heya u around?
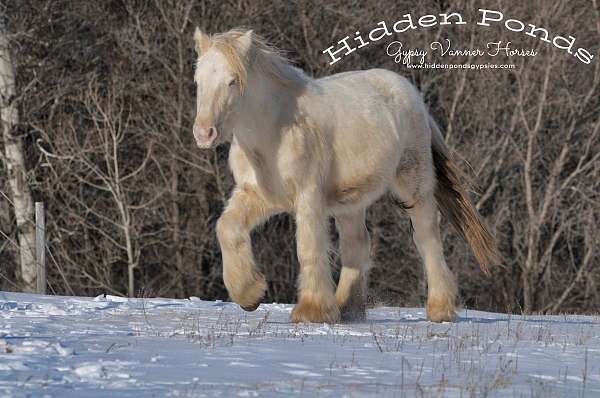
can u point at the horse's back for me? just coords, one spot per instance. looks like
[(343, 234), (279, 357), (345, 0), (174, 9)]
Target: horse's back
[(382, 98), (372, 117), (372, 81), (377, 105)]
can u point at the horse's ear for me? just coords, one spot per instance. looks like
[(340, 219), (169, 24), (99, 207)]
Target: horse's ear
[(244, 42), (200, 40)]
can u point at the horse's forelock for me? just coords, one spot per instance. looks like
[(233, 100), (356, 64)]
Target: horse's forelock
[(260, 56)]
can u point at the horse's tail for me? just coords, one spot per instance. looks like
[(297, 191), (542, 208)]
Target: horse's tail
[(454, 204)]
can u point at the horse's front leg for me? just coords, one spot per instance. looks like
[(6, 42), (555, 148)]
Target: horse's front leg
[(316, 297), (245, 284)]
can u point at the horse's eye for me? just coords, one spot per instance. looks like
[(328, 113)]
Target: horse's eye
[(232, 82)]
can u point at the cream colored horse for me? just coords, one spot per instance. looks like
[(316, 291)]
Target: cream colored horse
[(319, 148)]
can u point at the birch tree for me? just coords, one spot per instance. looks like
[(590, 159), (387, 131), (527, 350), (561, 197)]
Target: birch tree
[(15, 166)]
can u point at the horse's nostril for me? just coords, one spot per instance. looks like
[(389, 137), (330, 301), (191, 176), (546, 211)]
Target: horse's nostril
[(212, 132)]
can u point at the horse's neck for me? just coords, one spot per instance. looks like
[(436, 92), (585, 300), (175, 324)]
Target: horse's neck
[(260, 128), (258, 123)]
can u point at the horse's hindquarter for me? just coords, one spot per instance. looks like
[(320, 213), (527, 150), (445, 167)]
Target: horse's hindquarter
[(373, 116)]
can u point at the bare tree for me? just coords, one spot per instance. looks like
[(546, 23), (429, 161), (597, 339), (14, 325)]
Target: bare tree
[(101, 156), (15, 165)]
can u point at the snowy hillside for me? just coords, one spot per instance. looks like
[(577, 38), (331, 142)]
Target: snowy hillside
[(110, 346)]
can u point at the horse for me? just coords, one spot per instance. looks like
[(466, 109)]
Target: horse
[(321, 148)]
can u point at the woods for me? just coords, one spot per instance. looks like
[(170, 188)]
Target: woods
[(99, 127)]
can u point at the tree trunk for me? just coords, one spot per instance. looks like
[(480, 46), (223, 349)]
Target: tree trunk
[(15, 166)]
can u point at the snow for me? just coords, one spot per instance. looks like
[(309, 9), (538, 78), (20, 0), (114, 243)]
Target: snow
[(118, 347)]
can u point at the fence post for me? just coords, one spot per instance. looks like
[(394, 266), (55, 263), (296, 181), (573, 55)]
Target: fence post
[(40, 247)]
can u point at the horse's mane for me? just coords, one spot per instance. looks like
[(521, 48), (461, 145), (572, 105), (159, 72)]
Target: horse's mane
[(261, 57)]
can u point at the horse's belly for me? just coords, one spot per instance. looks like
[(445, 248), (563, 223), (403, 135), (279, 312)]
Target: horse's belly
[(356, 192), (364, 164)]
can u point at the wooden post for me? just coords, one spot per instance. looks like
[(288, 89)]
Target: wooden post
[(40, 247)]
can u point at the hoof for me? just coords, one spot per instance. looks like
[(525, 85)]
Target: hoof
[(441, 310), (354, 315), (248, 293), (354, 309), (250, 308), (318, 311), (351, 297)]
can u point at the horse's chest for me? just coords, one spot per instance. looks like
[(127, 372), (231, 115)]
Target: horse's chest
[(273, 175)]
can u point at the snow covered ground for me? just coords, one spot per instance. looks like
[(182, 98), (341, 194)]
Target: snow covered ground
[(111, 346)]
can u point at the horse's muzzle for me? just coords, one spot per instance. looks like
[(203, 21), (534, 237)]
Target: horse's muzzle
[(205, 136)]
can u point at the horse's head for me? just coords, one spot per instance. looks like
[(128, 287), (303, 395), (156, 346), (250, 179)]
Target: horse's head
[(220, 76)]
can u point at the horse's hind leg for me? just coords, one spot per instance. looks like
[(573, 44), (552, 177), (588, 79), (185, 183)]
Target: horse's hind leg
[(351, 294), (421, 206)]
